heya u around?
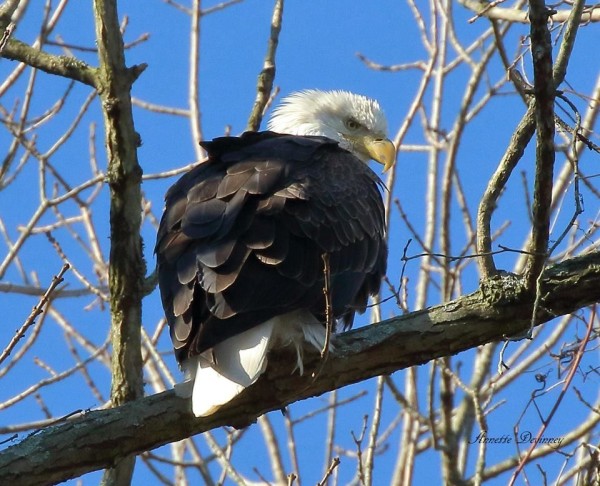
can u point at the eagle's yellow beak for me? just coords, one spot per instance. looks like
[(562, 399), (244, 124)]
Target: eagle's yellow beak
[(381, 150)]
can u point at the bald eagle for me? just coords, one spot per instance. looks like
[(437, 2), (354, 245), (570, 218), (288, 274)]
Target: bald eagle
[(241, 242)]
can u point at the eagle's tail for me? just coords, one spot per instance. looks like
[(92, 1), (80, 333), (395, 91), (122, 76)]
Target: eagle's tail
[(223, 372)]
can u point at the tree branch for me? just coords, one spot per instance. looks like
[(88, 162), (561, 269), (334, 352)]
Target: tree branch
[(501, 307), (264, 84), (68, 67), (568, 42), (489, 10), (35, 312), (65, 66), (544, 92), (127, 266), (518, 143)]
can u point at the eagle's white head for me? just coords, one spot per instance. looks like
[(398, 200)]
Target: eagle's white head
[(356, 122)]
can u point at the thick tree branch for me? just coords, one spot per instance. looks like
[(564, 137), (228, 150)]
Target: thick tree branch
[(501, 307), (65, 66), (68, 67), (548, 78), (518, 143), (544, 92), (127, 266)]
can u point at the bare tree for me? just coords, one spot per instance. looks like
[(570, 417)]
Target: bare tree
[(529, 236)]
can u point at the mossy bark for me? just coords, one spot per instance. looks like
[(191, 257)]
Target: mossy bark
[(124, 174), (501, 307)]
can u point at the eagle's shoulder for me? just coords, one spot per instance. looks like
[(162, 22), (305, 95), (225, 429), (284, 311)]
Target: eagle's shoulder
[(289, 147)]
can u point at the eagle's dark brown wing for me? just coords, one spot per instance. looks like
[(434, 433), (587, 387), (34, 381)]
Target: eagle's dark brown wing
[(243, 234)]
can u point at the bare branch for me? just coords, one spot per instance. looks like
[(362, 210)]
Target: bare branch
[(544, 92), (64, 66), (127, 266), (36, 311), (194, 81), (448, 116), (568, 43), (518, 142), (264, 86), (573, 369), (492, 11), (143, 424)]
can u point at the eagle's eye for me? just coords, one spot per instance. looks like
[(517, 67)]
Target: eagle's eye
[(352, 124)]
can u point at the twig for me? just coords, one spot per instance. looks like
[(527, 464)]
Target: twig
[(6, 35), (566, 385), (330, 406), (219, 6), (35, 312), (335, 462), (273, 449), (369, 465), (358, 442), (448, 436), (267, 75), (459, 126), (194, 82), (559, 69), (484, 10), (577, 193), (292, 443), (64, 418), (80, 276), (55, 378), (9, 288), (9, 439), (329, 318)]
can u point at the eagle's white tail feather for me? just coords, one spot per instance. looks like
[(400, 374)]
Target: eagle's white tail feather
[(222, 373), (238, 362)]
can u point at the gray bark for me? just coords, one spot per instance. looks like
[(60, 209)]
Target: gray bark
[(501, 307)]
